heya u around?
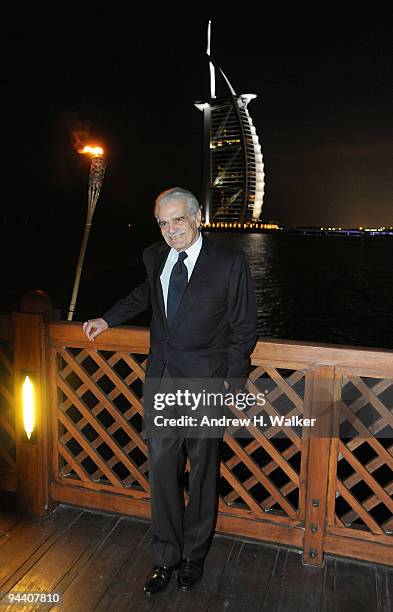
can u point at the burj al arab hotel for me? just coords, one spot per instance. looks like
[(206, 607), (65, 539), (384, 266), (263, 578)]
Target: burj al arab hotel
[(233, 175)]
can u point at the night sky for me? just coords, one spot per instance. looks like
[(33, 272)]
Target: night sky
[(323, 112)]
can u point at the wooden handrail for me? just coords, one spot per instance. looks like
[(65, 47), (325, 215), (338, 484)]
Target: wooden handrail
[(269, 350)]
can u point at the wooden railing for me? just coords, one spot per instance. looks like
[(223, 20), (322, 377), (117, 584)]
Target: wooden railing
[(322, 489)]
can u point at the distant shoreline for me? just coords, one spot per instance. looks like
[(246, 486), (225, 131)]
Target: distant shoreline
[(303, 231)]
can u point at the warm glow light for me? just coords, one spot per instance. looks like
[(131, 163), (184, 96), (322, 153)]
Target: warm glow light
[(28, 407), (93, 150)]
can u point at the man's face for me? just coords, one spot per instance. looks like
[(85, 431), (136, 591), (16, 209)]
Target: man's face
[(178, 227)]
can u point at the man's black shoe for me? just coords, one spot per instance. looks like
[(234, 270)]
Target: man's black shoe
[(190, 572), (158, 579)]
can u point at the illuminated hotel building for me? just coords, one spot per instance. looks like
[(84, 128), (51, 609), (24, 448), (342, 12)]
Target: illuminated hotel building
[(233, 176)]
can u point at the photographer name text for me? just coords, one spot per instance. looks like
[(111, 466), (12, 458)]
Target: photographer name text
[(255, 421)]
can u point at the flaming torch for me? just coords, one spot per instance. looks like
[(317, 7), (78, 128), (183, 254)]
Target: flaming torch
[(97, 171)]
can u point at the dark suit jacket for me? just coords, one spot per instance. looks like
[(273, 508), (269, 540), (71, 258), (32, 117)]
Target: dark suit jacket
[(214, 329)]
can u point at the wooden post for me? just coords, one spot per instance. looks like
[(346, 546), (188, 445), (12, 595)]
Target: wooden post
[(30, 358), (319, 406)]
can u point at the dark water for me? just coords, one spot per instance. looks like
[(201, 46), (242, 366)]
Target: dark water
[(323, 289), (326, 289)]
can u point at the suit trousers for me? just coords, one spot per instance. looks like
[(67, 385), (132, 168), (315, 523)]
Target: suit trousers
[(181, 531)]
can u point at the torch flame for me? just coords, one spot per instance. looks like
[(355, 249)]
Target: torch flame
[(93, 150)]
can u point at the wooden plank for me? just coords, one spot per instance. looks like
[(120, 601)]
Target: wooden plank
[(28, 539), (101, 568), (123, 504), (270, 529), (30, 349), (53, 406), (63, 555), (363, 550), (271, 597), (389, 589), (363, 535), (301, 587), (137, 493), (382, 594), (361, 598), (292, 379), (367, 372), (274, 516), (269, 350), (127, 338), (319, 402), (263, 530), (328, 589), (333, 457), (126, 590), (244, 579)]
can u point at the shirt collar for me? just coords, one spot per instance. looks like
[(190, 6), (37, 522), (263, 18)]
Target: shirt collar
[(192, 251)]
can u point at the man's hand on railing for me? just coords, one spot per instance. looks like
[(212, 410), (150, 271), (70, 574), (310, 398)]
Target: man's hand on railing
[(94, 327)]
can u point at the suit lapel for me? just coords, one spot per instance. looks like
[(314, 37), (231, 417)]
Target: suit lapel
[(162, 257)]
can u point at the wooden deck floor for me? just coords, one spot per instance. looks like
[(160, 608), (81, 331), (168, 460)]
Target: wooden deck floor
[(99, 562)]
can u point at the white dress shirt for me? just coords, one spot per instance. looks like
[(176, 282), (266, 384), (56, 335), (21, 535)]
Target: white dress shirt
[(173, 255)]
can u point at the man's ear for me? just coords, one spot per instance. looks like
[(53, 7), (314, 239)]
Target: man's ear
[(199, 218)]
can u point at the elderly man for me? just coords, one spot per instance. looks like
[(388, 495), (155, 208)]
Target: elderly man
[(203, 326)]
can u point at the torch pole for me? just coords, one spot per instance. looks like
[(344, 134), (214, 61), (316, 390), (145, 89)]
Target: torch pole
[(97, 171), (78, 271)]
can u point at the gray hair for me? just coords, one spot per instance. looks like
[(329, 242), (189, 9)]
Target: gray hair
[(177, 193)]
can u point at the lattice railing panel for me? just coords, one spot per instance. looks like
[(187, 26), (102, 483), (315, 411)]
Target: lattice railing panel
[(7, 409), (100, 412), (100, 429), (364, 485), (261, 465)]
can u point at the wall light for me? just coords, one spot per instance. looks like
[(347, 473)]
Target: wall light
[(28, 406)]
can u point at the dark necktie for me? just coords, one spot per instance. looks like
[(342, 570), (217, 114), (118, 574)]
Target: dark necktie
[(177, 284)]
